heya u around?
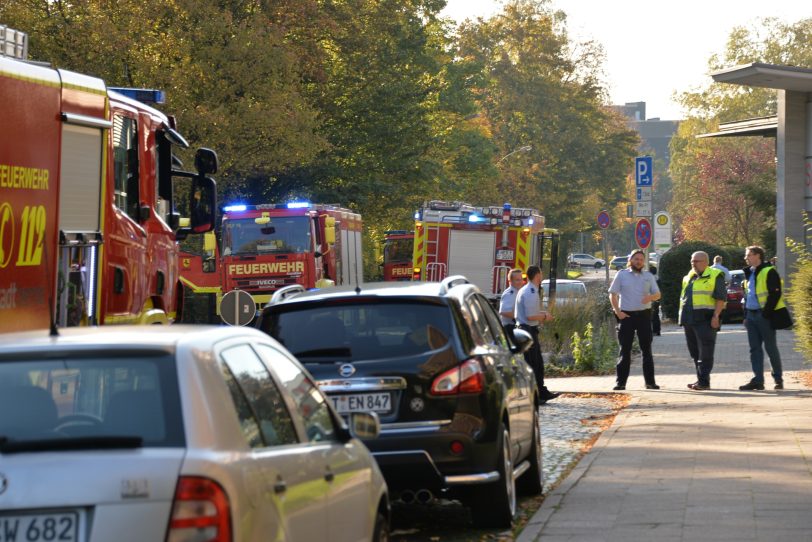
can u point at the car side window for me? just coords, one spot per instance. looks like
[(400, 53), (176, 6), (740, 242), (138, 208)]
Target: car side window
[(480, 323), (311, 403), (494, 324), (264, 418)]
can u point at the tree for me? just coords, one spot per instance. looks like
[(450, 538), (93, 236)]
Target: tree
[(724, 191)]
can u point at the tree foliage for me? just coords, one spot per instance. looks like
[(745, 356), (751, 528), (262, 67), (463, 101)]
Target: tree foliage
[(724, 189), (373, 104)]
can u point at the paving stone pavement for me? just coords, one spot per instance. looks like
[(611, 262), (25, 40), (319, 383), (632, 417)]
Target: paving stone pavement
[(563, 431), (684, 465)]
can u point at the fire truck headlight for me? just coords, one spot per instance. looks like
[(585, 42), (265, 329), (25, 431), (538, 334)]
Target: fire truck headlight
[(517, 222), (531, 222), (494, 221)]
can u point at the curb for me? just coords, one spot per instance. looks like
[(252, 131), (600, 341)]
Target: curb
[(532, 530)]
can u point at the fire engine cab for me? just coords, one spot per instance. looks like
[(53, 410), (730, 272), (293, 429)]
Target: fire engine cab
[(88, 222), (481, 243), (398, 247), (263, 248)]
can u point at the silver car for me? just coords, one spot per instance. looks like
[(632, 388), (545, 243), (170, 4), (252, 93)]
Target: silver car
[(177, 434)]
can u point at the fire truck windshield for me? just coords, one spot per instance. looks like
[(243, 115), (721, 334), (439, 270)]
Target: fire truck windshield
[(397, 250), (279, 235)]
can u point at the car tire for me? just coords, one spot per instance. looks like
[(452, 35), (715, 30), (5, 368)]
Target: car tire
[(532, 481), (381, 532), (494, 505)]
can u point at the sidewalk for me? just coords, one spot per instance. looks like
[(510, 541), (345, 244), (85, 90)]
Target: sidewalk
[(684, 465)]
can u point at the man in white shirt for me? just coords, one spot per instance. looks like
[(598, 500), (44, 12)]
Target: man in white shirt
[(717, 264)]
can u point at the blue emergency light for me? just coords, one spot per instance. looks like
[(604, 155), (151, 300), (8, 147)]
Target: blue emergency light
[(144, 95), (235, 208), (298, 205)]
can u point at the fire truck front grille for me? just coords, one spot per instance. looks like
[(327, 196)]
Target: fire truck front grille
[(251, 285)]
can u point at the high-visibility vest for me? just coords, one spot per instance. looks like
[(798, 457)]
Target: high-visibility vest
[(702, 291), (761, 289)]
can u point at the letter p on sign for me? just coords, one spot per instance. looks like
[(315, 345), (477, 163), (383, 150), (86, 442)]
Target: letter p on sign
[(643, 171)]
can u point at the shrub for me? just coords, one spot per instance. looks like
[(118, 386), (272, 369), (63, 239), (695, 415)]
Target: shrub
[(674, 265), (593, 354), (799, 295)]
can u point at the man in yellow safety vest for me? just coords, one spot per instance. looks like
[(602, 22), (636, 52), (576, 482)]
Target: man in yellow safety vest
[(700, 307), (764, 312)]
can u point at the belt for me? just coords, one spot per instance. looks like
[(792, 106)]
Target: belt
[(641, 311), (753, 310)]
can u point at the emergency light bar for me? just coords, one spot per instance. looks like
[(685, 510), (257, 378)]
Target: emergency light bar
[(235, 208), (143, 95), (298, 205), (13, 43)]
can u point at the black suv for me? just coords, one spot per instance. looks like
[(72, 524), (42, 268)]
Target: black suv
[(457, 402)]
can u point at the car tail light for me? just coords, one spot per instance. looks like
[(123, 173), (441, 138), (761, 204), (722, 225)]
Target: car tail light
[(200, 512), (465, 378)]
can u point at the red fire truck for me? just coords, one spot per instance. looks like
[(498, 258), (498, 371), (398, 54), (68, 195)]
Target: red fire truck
[(481, 243), (398, 247), (88, 224), (263, 248)]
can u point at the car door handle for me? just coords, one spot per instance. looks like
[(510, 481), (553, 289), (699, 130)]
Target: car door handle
[(329, 476), (280, 486)]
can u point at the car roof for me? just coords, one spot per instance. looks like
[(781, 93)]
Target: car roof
[(382, 289), (135, 338)]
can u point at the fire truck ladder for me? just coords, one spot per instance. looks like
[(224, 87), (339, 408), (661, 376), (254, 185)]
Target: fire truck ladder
[(435, 271)]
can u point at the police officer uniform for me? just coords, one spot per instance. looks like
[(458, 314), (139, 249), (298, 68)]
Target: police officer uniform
[(528, 303), (507, 303)]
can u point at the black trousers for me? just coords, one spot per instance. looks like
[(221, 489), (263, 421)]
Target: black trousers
[(637, 322), (701, 339), (655, 317), (533, 355)]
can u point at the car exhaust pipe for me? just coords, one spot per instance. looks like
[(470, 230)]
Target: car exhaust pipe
[(407, 496), (424, 496)]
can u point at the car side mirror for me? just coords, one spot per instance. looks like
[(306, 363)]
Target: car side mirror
[(365, 425), (522, 340)]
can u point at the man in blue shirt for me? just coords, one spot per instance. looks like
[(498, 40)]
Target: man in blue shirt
[(528, 317), (631, 294)]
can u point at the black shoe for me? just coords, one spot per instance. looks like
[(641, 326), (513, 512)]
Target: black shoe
[(619, 388), (779, 385), (751, 386), (657, 334), (547, 395), (698, 387), (652, 387)]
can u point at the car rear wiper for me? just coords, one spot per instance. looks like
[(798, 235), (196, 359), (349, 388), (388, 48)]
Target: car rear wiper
[(342, 351), (9, 446)]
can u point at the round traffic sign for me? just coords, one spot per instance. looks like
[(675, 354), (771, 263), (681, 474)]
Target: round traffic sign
[(642, 233), (603, 220), (237, 308)]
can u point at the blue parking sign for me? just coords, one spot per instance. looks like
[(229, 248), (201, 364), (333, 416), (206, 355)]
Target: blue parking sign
[(643, 171)]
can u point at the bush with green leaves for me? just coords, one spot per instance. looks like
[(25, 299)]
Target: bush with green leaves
[(570, 343), (674, 265), (799, 295)]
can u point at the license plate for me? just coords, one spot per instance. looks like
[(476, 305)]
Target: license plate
[(362, 402), (504, 254), (55, 527)]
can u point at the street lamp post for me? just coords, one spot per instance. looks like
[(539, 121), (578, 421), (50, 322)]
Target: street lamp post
[(520, 149)]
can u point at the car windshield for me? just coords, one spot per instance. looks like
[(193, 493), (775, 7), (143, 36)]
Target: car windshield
[(397, 250), (570, 290), (91, 402), (736, 279), (280, 235), (360, 330)]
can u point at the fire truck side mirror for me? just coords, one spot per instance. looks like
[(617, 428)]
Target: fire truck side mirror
[(205, 161), (202, 203)]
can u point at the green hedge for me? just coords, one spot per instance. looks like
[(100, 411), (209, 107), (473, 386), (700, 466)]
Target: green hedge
[(675, 264), (800, 299)]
